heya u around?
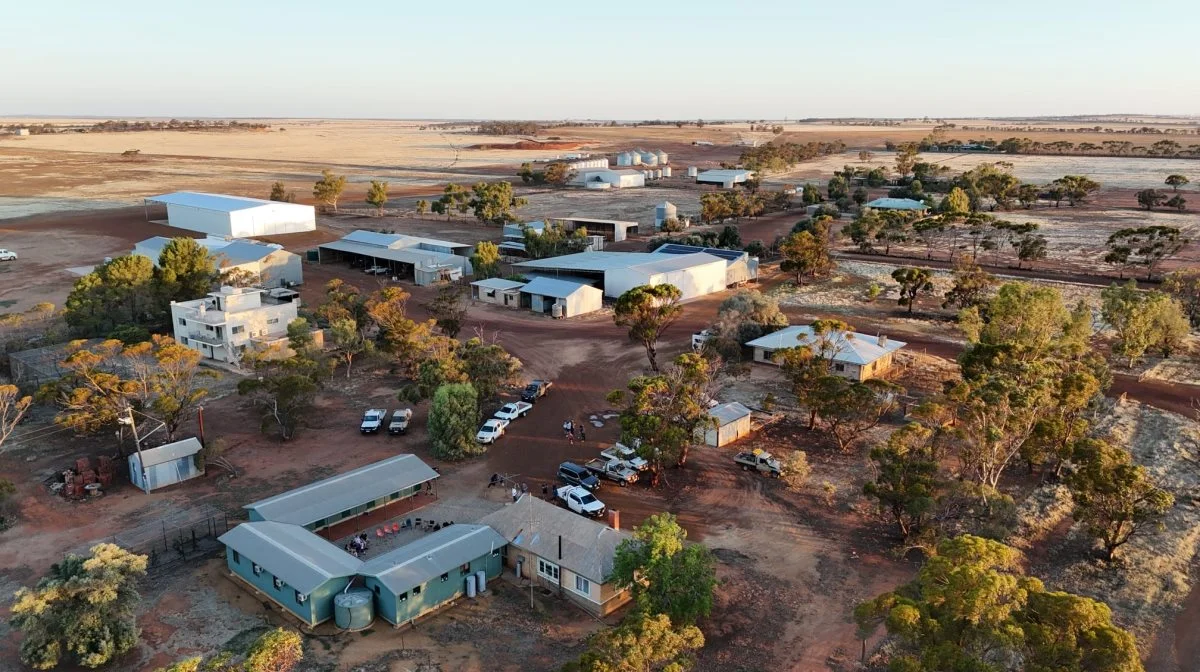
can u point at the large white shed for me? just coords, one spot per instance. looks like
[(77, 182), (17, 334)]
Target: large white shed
[(234, 216), (694, 274), (541, 295)]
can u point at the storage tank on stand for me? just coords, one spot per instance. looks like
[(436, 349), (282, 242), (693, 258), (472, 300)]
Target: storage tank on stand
[(354, 610), (666, 171), (658, 174), (693, 171)]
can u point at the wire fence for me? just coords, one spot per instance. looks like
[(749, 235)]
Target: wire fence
[(172, 539)]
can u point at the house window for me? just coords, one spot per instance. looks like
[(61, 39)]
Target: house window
[(279, 584), (417, 590), (582, 585), (548, 570), (237, 558), (402, 597), (301, 598), (182, 322), (273, 320), (839, 367), (347, 513), (208, 327), (394, 495), (257, 569), (465, 569), (446, 576), (183, 340), (238, 329), (491, 293)]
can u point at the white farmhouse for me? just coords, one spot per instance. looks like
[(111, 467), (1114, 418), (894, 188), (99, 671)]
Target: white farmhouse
[(272, 265), (234, 216), (223, 324), (852, 355)]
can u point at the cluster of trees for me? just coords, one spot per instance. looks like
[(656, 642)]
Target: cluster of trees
[(778, 157), (508, 128), (734, 204), (327, 190), (1145, 246), (557, 173), (672, 584), (103, 384), (875, 232), (805, 250), (129, 296), (491, 203), (1030, 388), (973, 607), (123, 126), (277, 650), (1143, 321), (554, 240), (1163, 148)]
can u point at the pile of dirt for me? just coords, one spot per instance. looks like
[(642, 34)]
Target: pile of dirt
[(527, 144)]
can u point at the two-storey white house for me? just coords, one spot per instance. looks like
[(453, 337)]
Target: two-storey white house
[(223, 324)]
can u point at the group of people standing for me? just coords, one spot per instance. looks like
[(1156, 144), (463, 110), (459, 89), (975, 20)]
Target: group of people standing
[(570, 428)]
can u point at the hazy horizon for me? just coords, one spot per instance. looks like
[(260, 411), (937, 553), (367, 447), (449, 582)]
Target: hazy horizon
[(625, 61)]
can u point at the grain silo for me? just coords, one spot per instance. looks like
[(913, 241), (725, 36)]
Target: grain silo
[(666, 171), (693, 171), (664, 211), (624, 159), (662, 157)]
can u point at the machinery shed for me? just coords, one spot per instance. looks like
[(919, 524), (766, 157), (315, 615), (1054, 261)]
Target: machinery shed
[(235, 216)]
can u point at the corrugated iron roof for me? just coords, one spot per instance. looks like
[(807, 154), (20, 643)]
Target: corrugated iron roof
[(666, 263), (729, 412), (897, 204), (588, 547), (431, 556), (169, 452), (293, 554), (217, 202), (499, 284), (851, 347), (327, 497), (552, 287)]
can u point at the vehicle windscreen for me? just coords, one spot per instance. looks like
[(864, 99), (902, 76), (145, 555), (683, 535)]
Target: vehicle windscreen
[(587, 499)]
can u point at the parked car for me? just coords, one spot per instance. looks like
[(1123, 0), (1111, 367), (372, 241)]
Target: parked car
[(514, 410), (580, 501), (574, 474), (400, 420), (758, 460), (535, 390), (8, 255), (613, 470), (624, 453), (699, 338), (491, 430), (376, 270), (372, 420)]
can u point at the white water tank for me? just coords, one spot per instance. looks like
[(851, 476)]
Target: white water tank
[(693, 171), (658, 174), (666, 171), (471, 585), (481, 581), (556, 311)]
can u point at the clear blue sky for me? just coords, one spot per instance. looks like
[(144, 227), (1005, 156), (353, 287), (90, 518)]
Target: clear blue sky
[(604, 59)]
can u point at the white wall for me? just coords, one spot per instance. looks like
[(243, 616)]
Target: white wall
[(204, 221), (273, 219), (586, 300), (280, 266)]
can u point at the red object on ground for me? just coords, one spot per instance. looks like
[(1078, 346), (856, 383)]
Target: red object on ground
[(379, 533), (395, 527)]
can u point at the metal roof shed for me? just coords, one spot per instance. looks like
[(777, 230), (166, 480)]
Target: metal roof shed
[(238, 216), (154, 468), (897, 204), (732, 423), (325, 502), (694, 274), (575, 298)]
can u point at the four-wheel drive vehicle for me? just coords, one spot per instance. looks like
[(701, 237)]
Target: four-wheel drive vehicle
[(535, 390), (8, 255), (580, 500), (400, 419), (613, 470), (491, 430), (376, 270), (514, 410), (759, 460), (574, 474), (624, 453), (372, 420), (699, 339)]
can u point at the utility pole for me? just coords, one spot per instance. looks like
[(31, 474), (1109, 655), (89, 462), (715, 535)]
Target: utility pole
[(137, 444)]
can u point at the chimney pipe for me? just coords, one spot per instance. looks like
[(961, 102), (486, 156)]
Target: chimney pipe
[(614, 519)]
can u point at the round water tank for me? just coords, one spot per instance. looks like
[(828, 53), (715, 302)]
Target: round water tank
[(471, 585), (692, 171), (658, 174), (354, 610), (556, 311), (667, 171), (481, 580)]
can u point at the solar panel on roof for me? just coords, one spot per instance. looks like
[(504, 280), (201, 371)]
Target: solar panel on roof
[(677, 248)]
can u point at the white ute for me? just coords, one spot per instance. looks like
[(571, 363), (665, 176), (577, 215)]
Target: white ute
[(491, 430), (372, 420), (579, 500), (624, 453), (8, 255), (514, 410)]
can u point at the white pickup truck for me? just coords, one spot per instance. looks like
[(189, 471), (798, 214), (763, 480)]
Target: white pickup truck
[(613, 470), (514, 410), (491, 430), (372, 420), (579, 500), (400, 420), (624, 453)]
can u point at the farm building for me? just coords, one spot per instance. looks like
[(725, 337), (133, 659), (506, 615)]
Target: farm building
[(664, 211), (724, 177), (269, 262), (562, 551), (154, 468), (853, 355), (561, 298), (732, 423), (394, 484), (425, 260), (897, 204), (433, 571), (226, 322), (607, 178), (234, 216), (613, 230), (617, 272), (497, 291), (289, 565), (740, 267)]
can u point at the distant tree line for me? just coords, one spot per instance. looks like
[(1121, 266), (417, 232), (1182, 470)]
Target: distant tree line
[(508, 128), (125, 126), (1018, 145), (778, 157)]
